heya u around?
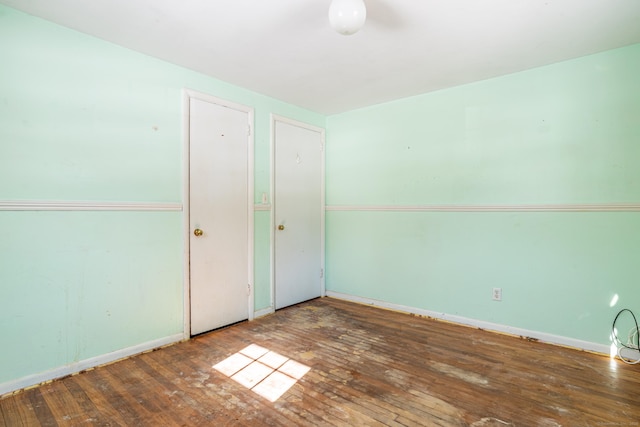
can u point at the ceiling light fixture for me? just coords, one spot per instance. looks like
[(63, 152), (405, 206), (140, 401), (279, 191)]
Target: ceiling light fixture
[(347, 16)]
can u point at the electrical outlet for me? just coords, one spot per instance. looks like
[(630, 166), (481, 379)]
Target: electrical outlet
[(497, 294)]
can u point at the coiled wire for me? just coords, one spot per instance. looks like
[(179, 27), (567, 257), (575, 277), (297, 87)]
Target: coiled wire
[(632, 339)]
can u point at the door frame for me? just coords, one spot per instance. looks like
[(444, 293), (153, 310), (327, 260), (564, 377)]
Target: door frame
[(278, 118), (187, 95)]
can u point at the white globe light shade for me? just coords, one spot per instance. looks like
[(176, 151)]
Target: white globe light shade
[(347, 16)]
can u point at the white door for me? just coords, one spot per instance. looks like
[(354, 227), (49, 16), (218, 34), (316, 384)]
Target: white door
[(219, 217), (298, 212)]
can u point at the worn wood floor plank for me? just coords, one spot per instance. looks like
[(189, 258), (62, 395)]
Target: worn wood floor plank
[(64, 408), (188, 382), (368, 366), (188, 409), (17, 411), (88, 412)]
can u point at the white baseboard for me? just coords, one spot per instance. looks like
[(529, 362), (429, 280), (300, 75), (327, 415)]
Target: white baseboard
[(263, 312), (541, 336), (63, 371)]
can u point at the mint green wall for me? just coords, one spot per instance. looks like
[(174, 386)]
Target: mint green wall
[(85, 120), (81, 284), (568, 133)]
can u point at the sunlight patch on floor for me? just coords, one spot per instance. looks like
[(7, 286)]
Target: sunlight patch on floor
[(265, 372)]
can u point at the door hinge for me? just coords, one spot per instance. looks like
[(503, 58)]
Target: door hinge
[(322, 146), (248, 288), (248, 130), (321, 273)]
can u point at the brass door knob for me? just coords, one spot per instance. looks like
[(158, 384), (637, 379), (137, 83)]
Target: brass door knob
[(281, 227), (198, 232)]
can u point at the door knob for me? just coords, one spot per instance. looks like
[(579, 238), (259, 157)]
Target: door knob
[(198, 232), (281, 227)]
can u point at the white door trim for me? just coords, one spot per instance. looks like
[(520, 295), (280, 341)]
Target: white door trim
[(187, 95), (277, 118)]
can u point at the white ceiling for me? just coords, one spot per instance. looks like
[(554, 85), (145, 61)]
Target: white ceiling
[(286, 49)]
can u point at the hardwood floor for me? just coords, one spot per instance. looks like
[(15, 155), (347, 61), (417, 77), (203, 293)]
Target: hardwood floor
[(368, 366)]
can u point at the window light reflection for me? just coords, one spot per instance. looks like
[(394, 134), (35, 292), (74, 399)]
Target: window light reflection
[(614, 300), (613, 351), (265, 372)]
